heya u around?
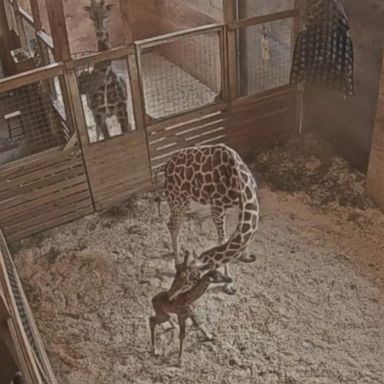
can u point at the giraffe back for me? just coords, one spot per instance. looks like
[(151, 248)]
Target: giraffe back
[(205, 174)]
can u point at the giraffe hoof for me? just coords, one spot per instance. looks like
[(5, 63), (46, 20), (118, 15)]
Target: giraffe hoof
[(248, 259), (229, 289)]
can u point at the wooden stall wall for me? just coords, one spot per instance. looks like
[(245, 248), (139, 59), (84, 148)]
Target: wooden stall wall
[(348, 123), (263, 108), (119, 165), (261, 121), (42, 191), (17, 325), (375, 177)]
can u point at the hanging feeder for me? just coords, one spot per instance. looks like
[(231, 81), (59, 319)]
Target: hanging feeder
[(323, 54)]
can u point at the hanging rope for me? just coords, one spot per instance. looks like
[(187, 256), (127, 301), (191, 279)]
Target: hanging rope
[(323, 54)]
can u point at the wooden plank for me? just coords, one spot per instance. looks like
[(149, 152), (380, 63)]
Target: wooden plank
[(35, 207), (44, 166), (182, 137), (154, 131), (46, 216), (45, 39), (26, 16), (117, 53), (22, 233), (56, 17), (42, 183), (176, 36), (256, 20), (188, 116), (12, 82), (123, 192), (42, 194), (188, 142)]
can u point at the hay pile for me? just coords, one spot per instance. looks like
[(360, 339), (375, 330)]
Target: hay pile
[(309, 164)]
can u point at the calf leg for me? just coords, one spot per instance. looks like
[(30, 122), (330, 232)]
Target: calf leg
[(195, 322), (182, 321), (153, 321)]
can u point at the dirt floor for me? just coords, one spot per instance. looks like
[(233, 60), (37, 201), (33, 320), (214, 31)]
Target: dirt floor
[(309, 310)]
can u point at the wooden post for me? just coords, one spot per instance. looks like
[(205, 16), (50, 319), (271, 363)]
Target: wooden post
[(297, 27), (36, 15), (58, 27), (375, 176), (232, 63)]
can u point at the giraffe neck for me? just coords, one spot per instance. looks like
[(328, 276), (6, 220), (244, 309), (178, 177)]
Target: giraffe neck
[(247, 225), (195, 292), (103, 43)]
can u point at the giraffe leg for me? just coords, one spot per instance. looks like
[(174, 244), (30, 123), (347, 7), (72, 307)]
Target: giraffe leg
[(196, 323), (177, 210), (102, 124), (122, 116), (97, 123), (218, 216), (247, 257), (153, 321)]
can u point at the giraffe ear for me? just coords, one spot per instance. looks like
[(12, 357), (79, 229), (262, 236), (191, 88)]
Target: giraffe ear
[(109, 7)]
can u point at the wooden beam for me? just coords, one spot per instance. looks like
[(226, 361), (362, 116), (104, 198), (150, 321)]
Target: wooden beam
[(256, 20), (175, 36), (58, 27), (231, 51), (36, 14), (31, 76)]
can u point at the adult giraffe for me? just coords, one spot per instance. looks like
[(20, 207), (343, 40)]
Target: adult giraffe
[(213, 175)]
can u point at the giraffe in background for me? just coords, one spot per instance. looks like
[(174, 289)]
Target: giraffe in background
[(213, 175), (106, 91)]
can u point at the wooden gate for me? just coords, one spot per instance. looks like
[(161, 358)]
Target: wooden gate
[(117, 166), (182, 78)]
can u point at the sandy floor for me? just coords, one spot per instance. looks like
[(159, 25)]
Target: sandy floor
[(309, 310)]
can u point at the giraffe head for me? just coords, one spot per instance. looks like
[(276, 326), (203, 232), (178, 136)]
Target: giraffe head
[(99, 13), (187, 275)]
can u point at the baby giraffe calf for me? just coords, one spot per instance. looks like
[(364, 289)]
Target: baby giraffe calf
[(182, 306)]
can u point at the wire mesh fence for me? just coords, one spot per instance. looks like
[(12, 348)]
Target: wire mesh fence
[(107, 99), (265, 55), (251, 8), (30, 122), (181, 76)]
